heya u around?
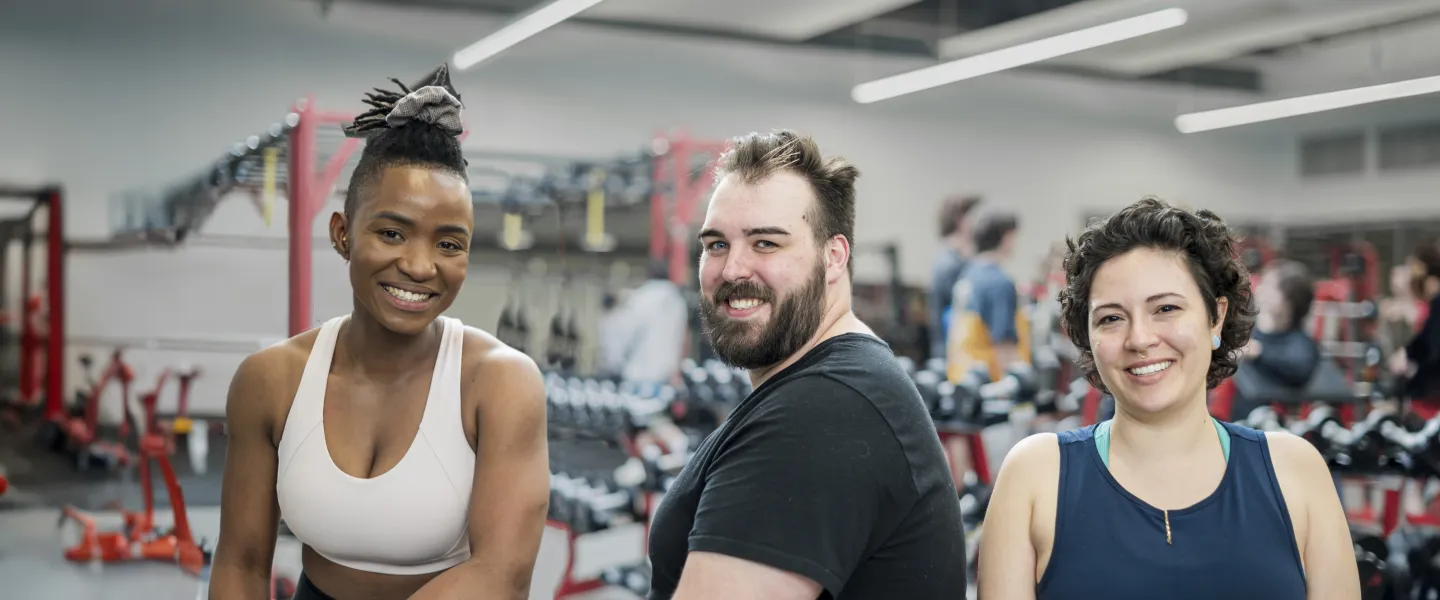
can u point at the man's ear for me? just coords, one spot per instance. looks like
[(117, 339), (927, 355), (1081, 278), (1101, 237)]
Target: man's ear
[(340, 234), (837, 257)]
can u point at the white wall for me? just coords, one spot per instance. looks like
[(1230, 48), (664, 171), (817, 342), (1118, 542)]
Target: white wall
[(120, 97)]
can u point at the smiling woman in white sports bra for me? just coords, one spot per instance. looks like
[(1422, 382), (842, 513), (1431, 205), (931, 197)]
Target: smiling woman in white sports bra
[(406, 451)]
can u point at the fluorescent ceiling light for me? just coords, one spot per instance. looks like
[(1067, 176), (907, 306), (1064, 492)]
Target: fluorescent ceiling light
[(1019, 55), (1304, 105), (518, 29)]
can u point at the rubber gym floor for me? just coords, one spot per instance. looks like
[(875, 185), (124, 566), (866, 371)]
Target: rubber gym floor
[(31, 542)]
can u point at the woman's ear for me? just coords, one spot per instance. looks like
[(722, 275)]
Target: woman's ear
[(1222, 307), (340, 235)]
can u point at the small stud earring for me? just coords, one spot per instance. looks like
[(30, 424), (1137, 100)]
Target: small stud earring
[(1215, 342)]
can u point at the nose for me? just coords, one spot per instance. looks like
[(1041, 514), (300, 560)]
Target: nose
[(1141, 337), (738, 266), (417, 263)]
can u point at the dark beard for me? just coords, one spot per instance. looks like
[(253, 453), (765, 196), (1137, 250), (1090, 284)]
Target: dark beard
[(793, 321)]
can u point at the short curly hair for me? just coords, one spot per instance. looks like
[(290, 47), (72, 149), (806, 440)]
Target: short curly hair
[(1209, 248)]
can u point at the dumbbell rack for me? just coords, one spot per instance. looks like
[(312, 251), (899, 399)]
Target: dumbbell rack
[(1392, 510), (970, 436), (569, 585)]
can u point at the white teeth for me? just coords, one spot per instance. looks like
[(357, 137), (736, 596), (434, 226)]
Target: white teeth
[(406, 295), (744, 303), (1149, 369)]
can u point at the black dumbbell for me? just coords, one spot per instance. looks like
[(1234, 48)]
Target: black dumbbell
[(969, 405), (1018, 385), (562, 497), (660, 467), (725, 388), (1368, 447), (1369, 541), (907, 365), (634, 579), (1074, 398), (556, 406), (600, 506), (1263, 418), (944, 409), (974, 500), (1372, 575), (1324, 431), (927, 383)]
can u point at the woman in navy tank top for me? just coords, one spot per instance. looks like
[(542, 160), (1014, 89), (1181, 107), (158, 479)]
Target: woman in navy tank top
[(1163, 501)]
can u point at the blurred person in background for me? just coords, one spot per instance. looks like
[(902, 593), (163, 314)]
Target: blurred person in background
[(987, 325), (955, 252), (1420, 359), (1281, 356), (642, 339), (1400, 314)]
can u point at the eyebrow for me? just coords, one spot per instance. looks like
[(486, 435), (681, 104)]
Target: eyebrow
[(1116, 305), (713, 233), (409, 222)]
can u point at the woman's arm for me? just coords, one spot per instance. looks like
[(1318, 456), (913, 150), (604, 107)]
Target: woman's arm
[(1331, 572), (249, 512), (1007, 550), (511, 493)]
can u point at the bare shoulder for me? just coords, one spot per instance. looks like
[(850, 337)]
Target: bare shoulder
[(1300, 471), (1033, 457), (264, 384), (1292, 456), (494, 369)]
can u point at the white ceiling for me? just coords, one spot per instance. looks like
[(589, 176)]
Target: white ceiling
[(792, 20), (1218, 30), (600, 55)]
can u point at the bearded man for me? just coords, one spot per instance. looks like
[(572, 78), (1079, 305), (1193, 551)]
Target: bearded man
[(829, 480)]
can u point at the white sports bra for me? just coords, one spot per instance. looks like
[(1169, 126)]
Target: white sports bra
[(408, 520)]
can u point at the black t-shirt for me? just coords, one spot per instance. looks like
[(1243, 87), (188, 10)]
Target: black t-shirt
[(832, 470)]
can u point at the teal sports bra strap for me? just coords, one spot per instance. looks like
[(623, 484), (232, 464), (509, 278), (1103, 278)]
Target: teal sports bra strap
[(1102, 440)]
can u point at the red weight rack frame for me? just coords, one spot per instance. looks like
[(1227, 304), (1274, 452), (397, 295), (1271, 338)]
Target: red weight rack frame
[(51, 198)]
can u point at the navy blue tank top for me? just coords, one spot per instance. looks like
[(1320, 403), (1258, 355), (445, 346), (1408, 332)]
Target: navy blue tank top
[(1236, 544)]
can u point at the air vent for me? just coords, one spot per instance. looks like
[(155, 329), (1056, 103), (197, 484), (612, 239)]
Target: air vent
[(1410, 147), (1332, 154)]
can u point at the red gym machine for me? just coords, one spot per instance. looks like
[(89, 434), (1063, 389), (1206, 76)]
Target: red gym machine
[(42, 341), (77, 431), (180, 423), (139, 539)]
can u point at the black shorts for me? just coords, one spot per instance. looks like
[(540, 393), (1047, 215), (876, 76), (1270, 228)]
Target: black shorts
[(304, 590)]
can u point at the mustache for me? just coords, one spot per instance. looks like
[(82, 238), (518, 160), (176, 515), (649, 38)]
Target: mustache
[(741, 289)]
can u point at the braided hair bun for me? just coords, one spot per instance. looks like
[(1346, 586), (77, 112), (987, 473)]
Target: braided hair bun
[(417, 125)]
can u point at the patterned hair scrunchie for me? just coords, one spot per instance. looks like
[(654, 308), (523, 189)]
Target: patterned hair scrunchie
[(433, 101), (430, 104)]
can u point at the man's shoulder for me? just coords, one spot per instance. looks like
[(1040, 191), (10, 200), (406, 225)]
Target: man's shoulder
[(982, 273), (817, 388)]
